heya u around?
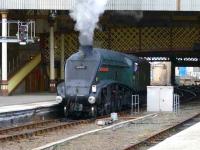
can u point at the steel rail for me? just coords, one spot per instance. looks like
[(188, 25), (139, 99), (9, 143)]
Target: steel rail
[(38, 128), (159, 136), (28, 126), (39, 131)]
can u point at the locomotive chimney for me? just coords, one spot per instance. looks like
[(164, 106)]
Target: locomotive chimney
[(86, 49)]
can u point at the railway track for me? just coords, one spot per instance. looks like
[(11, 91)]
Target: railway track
[(38, 128), (159, 137), (43, 127)]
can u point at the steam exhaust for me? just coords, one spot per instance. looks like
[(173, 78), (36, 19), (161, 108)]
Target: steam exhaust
[(86, 49), (86, 13)]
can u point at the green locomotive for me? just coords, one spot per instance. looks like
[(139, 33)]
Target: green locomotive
[(99, 81)]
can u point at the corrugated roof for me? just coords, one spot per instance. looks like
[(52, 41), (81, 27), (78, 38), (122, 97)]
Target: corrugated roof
[(168, 5), (142, 5), (68, 4), (190, 5), (37, 4)]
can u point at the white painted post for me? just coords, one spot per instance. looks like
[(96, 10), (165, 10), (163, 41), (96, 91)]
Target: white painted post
[(4, 84), (62, 61), (4, 47)]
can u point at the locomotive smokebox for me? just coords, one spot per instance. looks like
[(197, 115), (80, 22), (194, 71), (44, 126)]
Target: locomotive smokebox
[(86, 49)]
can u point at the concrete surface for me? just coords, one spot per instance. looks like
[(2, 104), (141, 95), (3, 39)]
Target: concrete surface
[(26, 102), (26, 99), (187, 139)]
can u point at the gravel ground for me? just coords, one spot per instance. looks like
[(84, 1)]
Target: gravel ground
[(108, 139)]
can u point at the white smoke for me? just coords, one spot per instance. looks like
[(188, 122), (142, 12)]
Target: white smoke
[(86, 13)]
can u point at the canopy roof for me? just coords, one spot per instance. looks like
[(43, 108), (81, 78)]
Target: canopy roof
[(159, 5)]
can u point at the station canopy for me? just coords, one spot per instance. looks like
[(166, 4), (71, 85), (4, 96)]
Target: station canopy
[(160, 5)]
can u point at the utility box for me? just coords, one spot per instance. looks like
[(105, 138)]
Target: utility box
[(160, 98)]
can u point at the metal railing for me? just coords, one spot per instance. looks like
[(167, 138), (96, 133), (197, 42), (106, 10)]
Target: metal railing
[(135, 104), (176, 103), (14, 35)]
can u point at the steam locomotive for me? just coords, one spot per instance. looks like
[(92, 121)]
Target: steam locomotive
[(99, 81)]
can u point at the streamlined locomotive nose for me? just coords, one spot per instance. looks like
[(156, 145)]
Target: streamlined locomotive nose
[(77, 94)]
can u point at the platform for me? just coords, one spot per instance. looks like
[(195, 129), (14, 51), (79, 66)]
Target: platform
[(187, 139), (26, 102)]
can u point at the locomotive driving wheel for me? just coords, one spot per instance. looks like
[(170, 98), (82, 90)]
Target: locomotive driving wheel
[(120, 98), (106, 101), (116, 98)]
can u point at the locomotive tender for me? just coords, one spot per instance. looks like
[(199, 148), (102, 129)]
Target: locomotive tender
[(99, 81)]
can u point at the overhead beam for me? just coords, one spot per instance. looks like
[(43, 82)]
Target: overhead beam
[(167, 53)]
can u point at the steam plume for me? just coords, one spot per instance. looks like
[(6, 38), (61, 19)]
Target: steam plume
[(86, 14)]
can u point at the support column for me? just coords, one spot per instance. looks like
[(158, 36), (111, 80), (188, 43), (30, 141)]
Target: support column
[(62, 61), (4, 84), (173, 71), (52, 69), (169, 72)]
